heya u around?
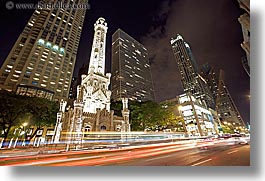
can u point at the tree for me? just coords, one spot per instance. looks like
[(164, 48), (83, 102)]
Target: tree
[(12, 109), (227, 129), (116, 106), (150, 116), (147, 116), (44, 113)]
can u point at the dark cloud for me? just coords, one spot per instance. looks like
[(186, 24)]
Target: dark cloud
[(214, 34), (210, 27)]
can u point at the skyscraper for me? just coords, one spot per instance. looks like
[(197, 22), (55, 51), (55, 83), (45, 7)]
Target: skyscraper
[(191, 80), (210, 76), (131, 72), (225, 106), (42, 60)]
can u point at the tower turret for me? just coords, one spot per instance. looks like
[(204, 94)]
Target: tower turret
[(97, 58)]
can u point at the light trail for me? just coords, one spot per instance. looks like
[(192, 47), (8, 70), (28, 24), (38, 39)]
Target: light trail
[(124, 154)]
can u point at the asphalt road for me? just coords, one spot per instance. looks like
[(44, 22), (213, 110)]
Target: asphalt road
[(214, 153), (238, 155)]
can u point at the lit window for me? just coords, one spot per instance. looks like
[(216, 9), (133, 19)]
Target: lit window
[(48, 45), (55, 48), (41, 42), (62, 50), (16, 75)]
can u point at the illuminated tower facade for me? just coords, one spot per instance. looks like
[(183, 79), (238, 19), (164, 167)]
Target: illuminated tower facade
[(93, 90), (192, 82), (42, 60), (130, 67), (225, 106)]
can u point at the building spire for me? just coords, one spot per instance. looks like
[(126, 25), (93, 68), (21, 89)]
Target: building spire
[(97, 58)]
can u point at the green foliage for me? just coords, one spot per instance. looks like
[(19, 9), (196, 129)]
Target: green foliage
[(16, 109), (43, 112), (150, 116), (227, 129), (116, 107), (12, 108)]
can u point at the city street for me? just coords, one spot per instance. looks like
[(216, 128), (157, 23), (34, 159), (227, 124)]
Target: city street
[(185, 153)]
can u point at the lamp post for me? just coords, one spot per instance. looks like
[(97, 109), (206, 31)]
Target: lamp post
[(24, 133)]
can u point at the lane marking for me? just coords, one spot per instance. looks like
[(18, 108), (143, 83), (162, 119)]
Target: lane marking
[(201, 162), (158, 158), (232, 152)]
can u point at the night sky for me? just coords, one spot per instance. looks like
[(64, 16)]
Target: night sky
[(210, 27)]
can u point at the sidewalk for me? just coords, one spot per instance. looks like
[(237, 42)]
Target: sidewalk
[(29, 150)]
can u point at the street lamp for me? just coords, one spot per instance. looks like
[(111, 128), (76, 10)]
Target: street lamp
[(24, 132)]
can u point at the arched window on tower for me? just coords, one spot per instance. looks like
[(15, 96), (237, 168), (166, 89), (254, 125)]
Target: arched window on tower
[(103, 128)]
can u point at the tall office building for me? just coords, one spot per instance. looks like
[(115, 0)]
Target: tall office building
[(210, 76), (130, 69), (191, 80), (41, 62), (225, 106), (73, 89)]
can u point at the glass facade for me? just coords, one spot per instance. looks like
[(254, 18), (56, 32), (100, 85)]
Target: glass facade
[(131, 72), (225, 106), (191, 80), (198, 119)]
